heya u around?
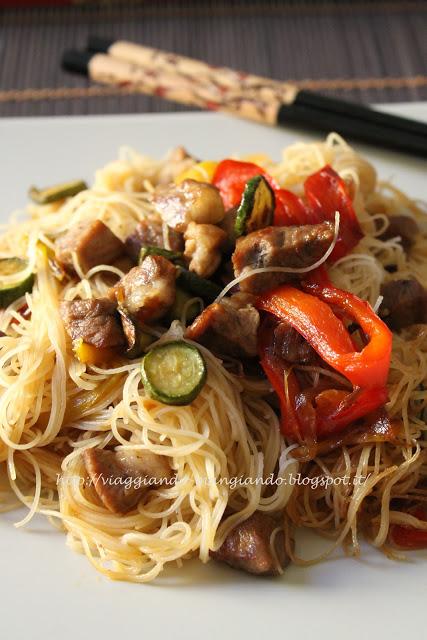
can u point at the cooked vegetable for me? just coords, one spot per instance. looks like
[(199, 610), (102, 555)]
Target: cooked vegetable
[(231, 177), (10, 291), (174, 373), (89, 354), (311, 315), (173, 256), (200, 287), (137, 339), (57, 192), (181, 304), (407, 537), (256, 209), (326, 193), (202, 172)]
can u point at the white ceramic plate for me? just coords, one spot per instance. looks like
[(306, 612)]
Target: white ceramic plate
[(49, 591)]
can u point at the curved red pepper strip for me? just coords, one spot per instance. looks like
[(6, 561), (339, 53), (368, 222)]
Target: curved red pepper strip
[(295, 423), (314, 319), (325, 194), (289, 421), (290, 210), (368, 369), (354, 406)]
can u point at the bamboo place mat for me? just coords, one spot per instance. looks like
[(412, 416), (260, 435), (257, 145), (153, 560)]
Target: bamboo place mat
[(366, 51)]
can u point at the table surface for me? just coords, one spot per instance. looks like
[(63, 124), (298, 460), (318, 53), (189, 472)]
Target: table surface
[(367, 51)]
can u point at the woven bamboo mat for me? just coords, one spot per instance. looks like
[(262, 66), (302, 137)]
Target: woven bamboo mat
[(367, 51)]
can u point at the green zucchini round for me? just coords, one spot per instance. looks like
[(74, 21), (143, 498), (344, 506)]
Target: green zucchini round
[(9, 292), (174, 373)]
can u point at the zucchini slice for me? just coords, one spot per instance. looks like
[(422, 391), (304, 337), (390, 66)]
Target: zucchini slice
[(57, 192), (181, 302), (174, 373), (256, 208), (205, 289), (173, 256), (10, 291)]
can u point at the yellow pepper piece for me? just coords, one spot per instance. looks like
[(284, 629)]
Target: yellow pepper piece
[(257, 158), (88, 354), (202, 172)]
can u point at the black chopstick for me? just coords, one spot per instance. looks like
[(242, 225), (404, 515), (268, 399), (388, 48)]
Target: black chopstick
[(360, 112), (379, 134)]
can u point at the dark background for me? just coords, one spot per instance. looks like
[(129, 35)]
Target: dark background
[(368, 51)]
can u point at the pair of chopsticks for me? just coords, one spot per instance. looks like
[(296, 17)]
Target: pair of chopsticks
[(196, 83)]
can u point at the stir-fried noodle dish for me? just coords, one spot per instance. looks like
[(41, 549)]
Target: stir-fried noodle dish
[(200, 358)]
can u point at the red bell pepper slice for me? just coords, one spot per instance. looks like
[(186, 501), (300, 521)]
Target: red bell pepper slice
[(314, 319), (230, 179), (367, 369), (409, 537), (297, 422), (290, 210), (326, 193)]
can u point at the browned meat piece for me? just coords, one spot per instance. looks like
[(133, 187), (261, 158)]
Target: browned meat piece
[(145, 233), (147, 291), (121, 479), (404, 227), (189, 201), (290, 346), (227, 224), (248, 547), (229, 327), (150, 233), (95, 321), (93, 242), (124, 263), (294, 247), (404, 303), (203, 243)]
